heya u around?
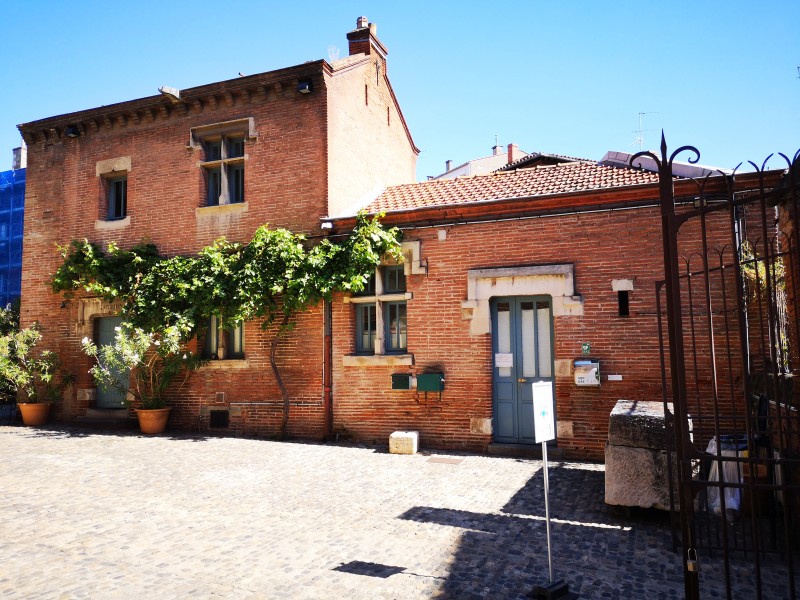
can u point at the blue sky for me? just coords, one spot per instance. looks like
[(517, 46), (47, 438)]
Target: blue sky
[(561, 77)]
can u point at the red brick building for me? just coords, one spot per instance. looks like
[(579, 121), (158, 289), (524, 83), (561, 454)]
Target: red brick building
[(186, 167), (508, 279), (516, 276)]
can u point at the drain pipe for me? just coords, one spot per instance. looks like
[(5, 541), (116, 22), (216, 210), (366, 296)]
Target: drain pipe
[(327, 369)]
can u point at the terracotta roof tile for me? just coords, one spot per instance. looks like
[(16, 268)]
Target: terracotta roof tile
[(539, 181)]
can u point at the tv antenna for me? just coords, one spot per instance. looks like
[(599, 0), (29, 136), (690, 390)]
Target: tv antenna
[(640, 132)]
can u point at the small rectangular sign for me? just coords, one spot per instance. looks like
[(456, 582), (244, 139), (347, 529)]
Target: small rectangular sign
[(544, 418), (503, 360), (615, 377)]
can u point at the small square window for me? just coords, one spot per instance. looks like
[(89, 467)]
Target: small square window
[(117, 199), (223, 344), (394, 280), (213, 150), (235, 147), (369, 287)]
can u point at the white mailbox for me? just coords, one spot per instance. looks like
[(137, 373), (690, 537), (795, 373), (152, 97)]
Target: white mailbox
[(587, 372)]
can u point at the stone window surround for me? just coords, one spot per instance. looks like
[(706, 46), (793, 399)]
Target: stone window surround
[(112, 168), (197, 135)]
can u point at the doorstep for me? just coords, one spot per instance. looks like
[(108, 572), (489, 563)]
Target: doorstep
[(524, 451), (113, 418)]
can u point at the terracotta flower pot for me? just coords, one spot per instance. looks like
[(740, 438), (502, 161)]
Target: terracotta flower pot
[(34, 413), (153, 420)]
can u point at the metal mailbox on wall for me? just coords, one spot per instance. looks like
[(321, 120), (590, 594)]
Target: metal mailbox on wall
[(587, 372), (430, 382), (402, 381)]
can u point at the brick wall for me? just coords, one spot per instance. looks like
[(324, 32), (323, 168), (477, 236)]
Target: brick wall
[(602, 247), (369, 147)]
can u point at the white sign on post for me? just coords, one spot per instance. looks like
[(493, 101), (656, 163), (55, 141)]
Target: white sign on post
[(544, 421)]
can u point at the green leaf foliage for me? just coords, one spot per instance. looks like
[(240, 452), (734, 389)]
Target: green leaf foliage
[(154, 359), (36, 375), (276, 275)]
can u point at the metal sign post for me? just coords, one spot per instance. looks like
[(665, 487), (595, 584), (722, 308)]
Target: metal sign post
[(544, 430)]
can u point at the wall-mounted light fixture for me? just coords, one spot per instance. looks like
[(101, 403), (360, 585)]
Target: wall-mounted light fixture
[(304, 87), (72, 131)]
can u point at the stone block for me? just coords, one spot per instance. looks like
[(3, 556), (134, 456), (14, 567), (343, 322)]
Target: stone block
[(480, 425), (404, 442), (565, 429), (638, 424), (637, 477)]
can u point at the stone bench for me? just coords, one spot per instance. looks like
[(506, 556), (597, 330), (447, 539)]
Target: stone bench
[(404, 442)]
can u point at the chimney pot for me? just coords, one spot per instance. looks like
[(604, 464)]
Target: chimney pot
[(447, 166), (361, 22)]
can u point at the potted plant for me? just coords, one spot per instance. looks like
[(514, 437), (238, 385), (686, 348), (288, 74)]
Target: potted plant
[(37, 378), (153, 359)]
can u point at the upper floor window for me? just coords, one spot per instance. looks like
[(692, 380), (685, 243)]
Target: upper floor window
[(224, 167), (223, 159), (117, 199)]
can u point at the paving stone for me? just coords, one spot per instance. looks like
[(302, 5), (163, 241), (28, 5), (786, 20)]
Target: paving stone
[(124, 516)]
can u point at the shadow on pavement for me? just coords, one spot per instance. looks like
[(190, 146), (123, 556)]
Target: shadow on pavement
[(504, 554)]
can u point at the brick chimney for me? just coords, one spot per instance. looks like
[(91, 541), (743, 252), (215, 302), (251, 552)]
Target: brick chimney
[(513, 153), (364, 39)]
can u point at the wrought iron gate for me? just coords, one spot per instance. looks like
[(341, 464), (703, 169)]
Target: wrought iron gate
[(730, 364)]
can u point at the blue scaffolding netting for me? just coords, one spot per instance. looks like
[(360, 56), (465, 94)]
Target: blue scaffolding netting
[(12, 212)]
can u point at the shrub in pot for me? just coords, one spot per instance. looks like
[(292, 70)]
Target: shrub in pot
[(155, 360), (35, 376)]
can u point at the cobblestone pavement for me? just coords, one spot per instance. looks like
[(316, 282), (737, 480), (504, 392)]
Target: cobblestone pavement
[(101, 515)]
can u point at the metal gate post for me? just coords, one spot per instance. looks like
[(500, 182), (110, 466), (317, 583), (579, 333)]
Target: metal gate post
[(676, 359)]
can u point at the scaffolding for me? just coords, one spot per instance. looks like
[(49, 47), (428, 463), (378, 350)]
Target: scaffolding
[(12, 212)]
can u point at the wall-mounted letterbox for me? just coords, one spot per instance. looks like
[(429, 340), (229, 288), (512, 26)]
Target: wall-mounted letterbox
[(401, 381), (587, 372), (430, 382)]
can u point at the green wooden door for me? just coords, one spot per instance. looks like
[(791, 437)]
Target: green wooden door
[(104, 332)]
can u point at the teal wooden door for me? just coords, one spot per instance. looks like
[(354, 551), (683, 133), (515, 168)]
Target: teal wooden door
[(522, 352), (104, 332)]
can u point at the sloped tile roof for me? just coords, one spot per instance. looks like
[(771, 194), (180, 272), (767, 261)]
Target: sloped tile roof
[(539, 181), (541, 156)]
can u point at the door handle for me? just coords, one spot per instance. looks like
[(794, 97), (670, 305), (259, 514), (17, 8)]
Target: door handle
[(521, 380)]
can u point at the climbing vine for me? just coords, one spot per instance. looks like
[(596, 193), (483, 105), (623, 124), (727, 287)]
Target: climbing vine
[(277, 273), (272, 278)]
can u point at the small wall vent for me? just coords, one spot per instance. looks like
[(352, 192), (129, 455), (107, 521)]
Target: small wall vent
[(218, 419)]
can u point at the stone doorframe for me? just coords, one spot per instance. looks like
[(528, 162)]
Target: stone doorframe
[(90, 309), (556, 281)]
